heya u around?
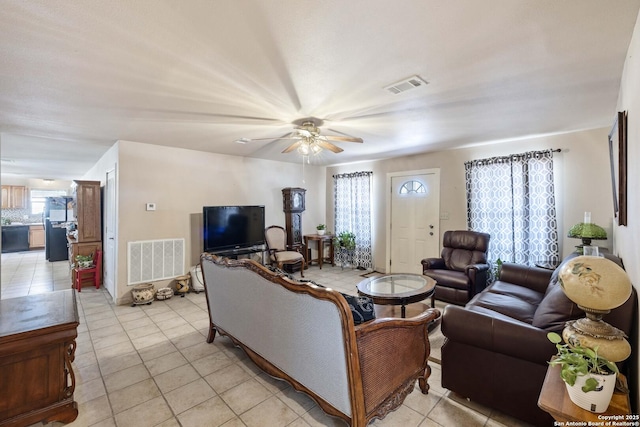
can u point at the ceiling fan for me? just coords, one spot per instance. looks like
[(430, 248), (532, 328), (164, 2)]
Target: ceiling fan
[(308, 140)]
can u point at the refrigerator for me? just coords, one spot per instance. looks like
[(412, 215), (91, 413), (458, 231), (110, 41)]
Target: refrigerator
[(57, 212)]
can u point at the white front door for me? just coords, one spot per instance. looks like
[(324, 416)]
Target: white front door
[(110, 234), (414, 229)]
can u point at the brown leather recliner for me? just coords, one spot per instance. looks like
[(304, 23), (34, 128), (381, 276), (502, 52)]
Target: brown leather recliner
[(461, 271), (496, 348)]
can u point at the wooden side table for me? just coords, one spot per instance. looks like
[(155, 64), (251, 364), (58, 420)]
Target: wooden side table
[(37, 346), (320, 239), (555, 400)]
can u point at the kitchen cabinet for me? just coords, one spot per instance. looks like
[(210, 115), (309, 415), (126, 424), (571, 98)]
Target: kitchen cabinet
[(14, 197), (86, 209), (36, 236)]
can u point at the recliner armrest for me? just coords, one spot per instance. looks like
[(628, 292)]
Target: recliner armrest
[(512, 338), (433, 264), (476, 267), (534, 278)]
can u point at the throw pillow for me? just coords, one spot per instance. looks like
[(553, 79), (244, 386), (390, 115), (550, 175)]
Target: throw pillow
[(361, 308), (555, 310)]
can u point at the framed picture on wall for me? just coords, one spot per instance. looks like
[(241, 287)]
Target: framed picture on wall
[(618, 160)]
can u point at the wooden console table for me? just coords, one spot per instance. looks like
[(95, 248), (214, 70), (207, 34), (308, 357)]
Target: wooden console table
[(320, 239), (37, 346), (555, 400)]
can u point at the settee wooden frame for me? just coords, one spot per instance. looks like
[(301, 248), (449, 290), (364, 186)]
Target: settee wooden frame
[(384, 357)]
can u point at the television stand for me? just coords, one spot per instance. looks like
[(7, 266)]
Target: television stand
[(242, 252)]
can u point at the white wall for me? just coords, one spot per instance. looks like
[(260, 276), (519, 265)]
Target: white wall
[(582, 176), (180, 182), (628, 237)]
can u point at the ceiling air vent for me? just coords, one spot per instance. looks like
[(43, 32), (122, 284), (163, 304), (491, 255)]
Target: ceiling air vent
[(406, 84)]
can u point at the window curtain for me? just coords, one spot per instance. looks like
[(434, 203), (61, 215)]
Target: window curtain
[(352, 204), (513, 199)]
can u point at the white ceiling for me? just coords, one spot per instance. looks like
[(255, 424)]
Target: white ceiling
[(78, 75)]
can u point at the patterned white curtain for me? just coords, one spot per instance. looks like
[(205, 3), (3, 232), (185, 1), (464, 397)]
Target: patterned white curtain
[(513, 199), (352, 204)]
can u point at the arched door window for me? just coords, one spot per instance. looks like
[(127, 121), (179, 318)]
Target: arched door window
[(412, 188)]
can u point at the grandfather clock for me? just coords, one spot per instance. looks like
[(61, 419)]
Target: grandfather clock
[(293, 206)]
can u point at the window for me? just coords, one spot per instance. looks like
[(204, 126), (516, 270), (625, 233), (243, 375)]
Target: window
[(413, 188), (512, 198), (38, 198)]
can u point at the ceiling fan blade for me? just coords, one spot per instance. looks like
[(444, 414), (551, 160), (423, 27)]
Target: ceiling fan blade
[(329, 146), (289, 135), (292, 147), (342, 138)]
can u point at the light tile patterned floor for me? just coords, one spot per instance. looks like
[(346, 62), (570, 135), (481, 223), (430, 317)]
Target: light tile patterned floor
[(150, 365)]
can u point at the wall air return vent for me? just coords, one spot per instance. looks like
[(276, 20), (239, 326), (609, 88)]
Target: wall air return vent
[(412, 82)]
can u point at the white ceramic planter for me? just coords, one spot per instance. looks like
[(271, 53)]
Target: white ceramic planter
[(597, 400), (321, 232)]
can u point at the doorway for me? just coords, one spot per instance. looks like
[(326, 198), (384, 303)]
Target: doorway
[(413, 209), (110, 216)]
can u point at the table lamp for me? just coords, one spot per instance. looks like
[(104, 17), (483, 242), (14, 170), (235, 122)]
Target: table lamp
[(587, 231), (597, 285)]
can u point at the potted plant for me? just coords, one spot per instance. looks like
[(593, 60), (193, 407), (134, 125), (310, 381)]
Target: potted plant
[(321, 228), (84, 261), (346, 240), (590, 378)]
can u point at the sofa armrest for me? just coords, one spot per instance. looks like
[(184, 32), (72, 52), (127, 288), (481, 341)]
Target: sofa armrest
[(511, 338), (433, 264), (533, 278), (393, 353)]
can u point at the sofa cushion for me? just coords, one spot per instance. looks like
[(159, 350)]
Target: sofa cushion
[(520, 292), (555, 310), (508, 300)]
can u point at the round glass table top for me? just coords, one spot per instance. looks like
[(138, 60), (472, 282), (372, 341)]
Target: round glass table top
[(397, 285)]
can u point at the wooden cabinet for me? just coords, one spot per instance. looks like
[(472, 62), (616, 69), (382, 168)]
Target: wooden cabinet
[(14, 197), (36, 236), (86, 209), (37, 346), (77, 248)]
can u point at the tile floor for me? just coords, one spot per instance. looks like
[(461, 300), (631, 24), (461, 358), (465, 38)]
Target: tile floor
[(150, 365)]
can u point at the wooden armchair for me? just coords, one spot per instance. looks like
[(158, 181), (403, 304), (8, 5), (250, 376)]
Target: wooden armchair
[(279, 253)]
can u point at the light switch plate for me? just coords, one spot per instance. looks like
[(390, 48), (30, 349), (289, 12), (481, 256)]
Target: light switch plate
[(151, 206)]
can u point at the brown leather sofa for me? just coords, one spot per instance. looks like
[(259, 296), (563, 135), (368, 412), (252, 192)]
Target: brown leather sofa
[(496, 349), (462, 269)]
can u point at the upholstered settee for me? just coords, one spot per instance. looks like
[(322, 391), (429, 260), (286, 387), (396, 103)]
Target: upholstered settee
[(305, 334), (496, 349)]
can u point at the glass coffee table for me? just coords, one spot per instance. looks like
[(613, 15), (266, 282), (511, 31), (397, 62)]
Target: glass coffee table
[(397, 289)]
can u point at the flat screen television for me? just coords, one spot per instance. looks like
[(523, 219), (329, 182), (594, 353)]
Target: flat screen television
[(232, 227)]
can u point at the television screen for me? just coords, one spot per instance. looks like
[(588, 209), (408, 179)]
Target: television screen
[(232, 227)]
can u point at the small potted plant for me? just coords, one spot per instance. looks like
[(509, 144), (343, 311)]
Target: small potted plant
[(84, 261), (590, 378), (345, 240), (321, 228)]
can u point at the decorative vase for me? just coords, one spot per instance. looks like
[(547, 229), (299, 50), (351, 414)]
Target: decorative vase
[(142, 294), (593, 401), (321, 232), (164, 293)]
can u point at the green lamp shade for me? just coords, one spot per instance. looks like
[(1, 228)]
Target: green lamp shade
[(587, 231)]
